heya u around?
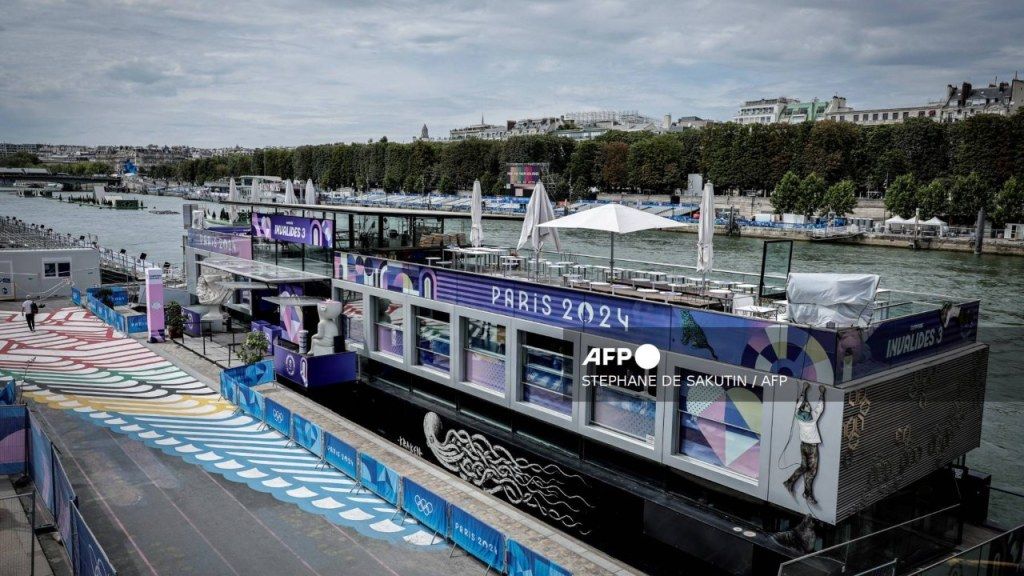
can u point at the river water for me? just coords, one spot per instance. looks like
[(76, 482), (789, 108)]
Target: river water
[(998, 281)]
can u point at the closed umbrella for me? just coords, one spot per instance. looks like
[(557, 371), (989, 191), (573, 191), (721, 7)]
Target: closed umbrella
[(232, 196), (614, 219), (476, 231), (289, 192), (310, 192), (706, 231), (538, 211)]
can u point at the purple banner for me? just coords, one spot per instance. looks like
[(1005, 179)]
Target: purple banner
[(765, 345), (315, 371), (286, 228), (220, 242), (155, 304)]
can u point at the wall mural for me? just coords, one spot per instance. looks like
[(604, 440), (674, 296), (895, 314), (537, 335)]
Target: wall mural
[(492, 468)]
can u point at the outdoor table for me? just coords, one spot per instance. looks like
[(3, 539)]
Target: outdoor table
[(433, 260), (672, 287), (746, 287), (720, 293)]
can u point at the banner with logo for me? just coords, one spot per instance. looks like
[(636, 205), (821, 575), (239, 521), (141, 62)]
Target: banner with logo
[(155, 304), (308, 435), (525, 562), (90, 560), (341, 455), (251, 402), (76, 296), (430, 509), (42, 462), (277, 417), (378, 478), (296, 229), (220, 242), (13, 436), (478, 539), (64, 500)]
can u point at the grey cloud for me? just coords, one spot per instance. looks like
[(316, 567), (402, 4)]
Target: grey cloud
[(275, 72)]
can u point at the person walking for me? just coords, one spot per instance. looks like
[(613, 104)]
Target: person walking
[(29, 308)]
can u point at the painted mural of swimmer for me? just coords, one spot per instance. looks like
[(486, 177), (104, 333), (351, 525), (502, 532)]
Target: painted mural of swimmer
[(806, 417)]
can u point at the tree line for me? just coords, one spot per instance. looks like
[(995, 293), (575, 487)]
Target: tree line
[(979, 154), (29, 160)]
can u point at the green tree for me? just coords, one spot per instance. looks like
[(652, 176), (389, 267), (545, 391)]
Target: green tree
[(812, 192), (19, 160), (446, 186), (968, 195), (613, 161), (933, 198), (1009, 202), (786, 195), (830, 150), (840, 199), (901, 196)]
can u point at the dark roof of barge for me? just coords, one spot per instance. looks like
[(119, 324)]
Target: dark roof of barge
[(373, 210)]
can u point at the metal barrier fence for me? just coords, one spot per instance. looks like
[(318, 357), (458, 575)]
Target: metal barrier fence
[(221, 348), (17, 534)]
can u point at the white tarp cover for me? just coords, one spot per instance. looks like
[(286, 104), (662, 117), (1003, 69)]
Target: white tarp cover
[(843, 299)]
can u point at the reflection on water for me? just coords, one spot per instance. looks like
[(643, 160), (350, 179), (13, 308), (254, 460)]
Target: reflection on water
[(998, 281)]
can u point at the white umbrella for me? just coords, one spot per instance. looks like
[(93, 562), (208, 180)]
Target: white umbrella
[(232, 196), (614, 219), (706, 231), (538, 211), (476, 209), (99, 193), (310, 192), (289, 192)]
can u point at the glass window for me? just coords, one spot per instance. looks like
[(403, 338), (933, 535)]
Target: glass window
[(433, 342), (352, 317), (57, 269), (485, 354), (885, 115), (906, 115), (874, 116), (720, 421), (547, 372), (856, 117), (623, 400), (389, 326)]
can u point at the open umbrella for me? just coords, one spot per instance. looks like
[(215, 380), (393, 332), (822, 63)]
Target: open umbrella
[(232, 196), (706, 231), (538, 211), (310, 192), (614, 219), (476, 207), (289, 192)]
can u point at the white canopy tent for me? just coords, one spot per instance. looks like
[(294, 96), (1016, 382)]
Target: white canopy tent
[(614, 219), (476, 208)]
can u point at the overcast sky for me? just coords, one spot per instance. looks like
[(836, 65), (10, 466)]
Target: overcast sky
[(266, 73)]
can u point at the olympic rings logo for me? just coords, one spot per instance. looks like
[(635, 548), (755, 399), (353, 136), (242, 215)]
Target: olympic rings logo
[(424, 505)]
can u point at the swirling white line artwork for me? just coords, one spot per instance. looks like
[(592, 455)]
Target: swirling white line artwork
[(493, 469)]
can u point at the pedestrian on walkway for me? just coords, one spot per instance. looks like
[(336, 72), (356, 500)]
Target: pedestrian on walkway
[(29, 308)]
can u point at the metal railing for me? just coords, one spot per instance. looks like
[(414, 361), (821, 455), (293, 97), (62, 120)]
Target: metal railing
[(216, 347)]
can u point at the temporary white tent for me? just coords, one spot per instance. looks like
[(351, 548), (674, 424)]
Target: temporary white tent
[(476, 207), (614, 219), (842, 300)]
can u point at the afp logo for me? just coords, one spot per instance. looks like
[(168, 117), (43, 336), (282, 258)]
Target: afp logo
[(646, 356)]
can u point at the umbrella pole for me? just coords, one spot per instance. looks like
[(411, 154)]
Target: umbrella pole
[(611, 259)]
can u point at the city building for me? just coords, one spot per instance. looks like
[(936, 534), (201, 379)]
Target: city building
[(763, 111), (997, 98)]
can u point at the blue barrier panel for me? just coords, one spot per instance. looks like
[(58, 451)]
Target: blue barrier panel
[(525, 562), (90, 560), (380, 479), (42, 463), (76, 296), (477, 538), (137, 323), (8, 393), (250, 374), (251, 402), (277, 417), (13, 439), (64, 500), (340, 455), (308, 435), (229, 390), (422, 504)]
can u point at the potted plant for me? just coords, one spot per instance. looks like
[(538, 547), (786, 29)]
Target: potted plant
[(174, 320), (253, 348)]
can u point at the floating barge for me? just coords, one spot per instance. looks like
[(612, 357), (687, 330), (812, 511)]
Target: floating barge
[(518, 373)]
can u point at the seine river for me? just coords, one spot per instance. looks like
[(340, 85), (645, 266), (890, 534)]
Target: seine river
[(998, 281)]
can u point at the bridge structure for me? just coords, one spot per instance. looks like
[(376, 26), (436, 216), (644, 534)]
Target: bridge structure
[(23, 175)]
